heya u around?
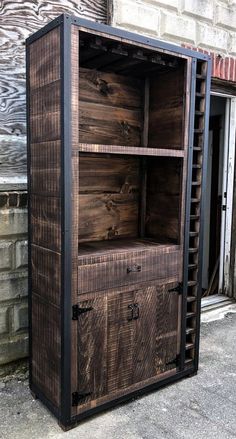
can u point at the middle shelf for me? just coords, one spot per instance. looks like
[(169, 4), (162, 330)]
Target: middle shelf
[(130, 150)]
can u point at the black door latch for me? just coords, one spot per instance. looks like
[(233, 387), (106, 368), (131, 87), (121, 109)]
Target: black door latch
[(134, 311)]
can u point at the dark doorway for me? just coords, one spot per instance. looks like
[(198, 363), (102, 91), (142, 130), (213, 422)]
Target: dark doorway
[(213, 198)]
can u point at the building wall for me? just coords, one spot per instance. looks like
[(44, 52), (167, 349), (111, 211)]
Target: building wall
[(19, 19), (13, 276), (201, 24)]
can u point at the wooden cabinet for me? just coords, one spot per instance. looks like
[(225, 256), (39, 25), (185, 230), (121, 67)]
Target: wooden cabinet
[(117, 125)]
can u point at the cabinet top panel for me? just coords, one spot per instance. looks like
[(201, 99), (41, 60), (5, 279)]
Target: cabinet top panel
[(118, 35)]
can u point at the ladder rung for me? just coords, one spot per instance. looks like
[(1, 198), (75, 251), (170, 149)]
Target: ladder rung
[(189, 346), (198, 130), (190, 314), (192, 283), (191, 299), (193, 250), (197, 148), (194, 217), (199, 113), (192, 266), (190, 331), (193, 234), (196, 183), (188, 360), (195, 200), (196, 166), (199, 76), (200, 95)]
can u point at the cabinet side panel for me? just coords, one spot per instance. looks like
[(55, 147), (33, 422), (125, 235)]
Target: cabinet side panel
[(44, 145), (75, 197)]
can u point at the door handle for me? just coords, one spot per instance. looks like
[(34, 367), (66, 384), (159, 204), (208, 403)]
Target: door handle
[(134, 268), (134, 315)]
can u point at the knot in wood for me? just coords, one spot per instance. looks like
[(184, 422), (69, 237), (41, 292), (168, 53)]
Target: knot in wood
[(102, 86)]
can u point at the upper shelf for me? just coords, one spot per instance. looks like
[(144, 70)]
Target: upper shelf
[(130, 150)]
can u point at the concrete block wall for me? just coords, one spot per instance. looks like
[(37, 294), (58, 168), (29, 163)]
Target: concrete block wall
[(13, 276), (206, 24)]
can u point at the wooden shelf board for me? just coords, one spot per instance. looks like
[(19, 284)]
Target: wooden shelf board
[(108, 247), (130, 150)]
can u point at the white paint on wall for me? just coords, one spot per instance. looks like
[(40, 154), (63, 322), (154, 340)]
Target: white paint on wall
[(206, 23)]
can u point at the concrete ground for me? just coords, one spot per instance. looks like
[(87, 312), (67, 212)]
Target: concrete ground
[(203, 406)]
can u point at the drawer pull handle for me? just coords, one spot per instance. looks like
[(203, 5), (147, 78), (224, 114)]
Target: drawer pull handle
[(134, 311), (134, 269)]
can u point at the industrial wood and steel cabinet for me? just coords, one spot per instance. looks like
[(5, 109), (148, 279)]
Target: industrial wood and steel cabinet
[(117, 125)]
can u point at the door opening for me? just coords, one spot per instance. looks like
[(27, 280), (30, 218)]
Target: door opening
[(214, 198)]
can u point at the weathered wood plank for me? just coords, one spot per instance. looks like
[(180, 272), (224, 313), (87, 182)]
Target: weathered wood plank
[(110, 174), (163, 199), (18, 21), (13, 158), (46, 168), (110, 89), (46, 222), (93, 348), (161, 264), (167, 109), (109, 125), (46, 349), (107, 216), (46, 274)]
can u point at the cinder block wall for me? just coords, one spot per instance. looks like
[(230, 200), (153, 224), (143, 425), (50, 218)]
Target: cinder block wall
[(13, 276), (209, 24)]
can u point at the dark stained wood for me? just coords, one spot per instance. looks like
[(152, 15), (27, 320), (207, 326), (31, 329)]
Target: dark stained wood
[(46, 222), (110, 89), (46, 168), (45, 209), (109, 125), (108, 174), (167, 109), (163, 199), (120, 341), (107, 216), (131, 350), (75, 200), (46, 274), (167, 346), (92, 348), (128, 266), (127, 156), (46, 337)]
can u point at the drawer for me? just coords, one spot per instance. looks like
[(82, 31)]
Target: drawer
[(153, 265)]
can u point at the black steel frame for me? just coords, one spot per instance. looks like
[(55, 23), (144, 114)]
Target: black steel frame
[(65, 21)]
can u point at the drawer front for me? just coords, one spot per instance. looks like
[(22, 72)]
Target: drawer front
[(164, 267)]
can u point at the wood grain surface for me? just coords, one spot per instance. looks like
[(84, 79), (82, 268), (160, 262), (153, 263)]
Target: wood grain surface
[(129, 350), (45, 210), (18, 20)]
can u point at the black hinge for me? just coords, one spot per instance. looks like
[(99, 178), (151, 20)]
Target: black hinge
[(175, 362), (178, 289), (76, 311), (224, 207), (78, 397)]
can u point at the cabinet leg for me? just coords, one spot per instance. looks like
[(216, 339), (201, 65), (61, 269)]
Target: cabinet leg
[(67, 427), (33, 395)]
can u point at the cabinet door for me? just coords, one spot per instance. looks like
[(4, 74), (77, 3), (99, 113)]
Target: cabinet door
[(127, 337)]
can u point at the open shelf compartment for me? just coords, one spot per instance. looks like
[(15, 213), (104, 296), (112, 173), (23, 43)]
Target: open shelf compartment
[(128, 201)]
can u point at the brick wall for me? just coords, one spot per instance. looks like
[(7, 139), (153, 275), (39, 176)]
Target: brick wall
[(13, 276), (203, 24)]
